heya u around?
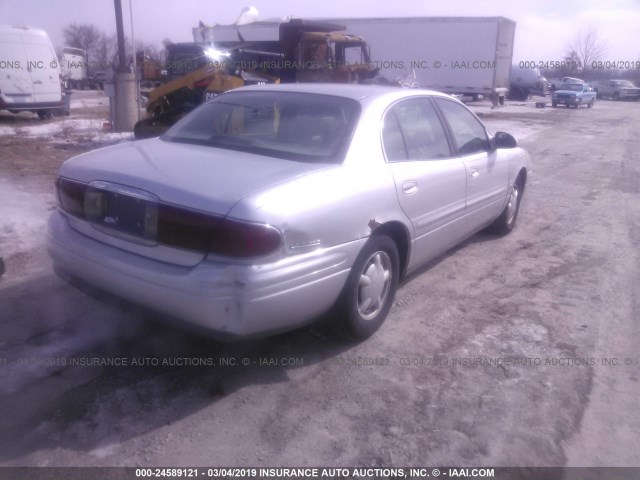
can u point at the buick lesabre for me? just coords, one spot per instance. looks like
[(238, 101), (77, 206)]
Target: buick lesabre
[(270, 206)]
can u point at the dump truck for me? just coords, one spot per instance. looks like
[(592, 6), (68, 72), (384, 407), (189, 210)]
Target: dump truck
[(304, 51), (149, 70)]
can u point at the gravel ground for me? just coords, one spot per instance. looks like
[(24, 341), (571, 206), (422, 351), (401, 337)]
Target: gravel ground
[(558, 298)]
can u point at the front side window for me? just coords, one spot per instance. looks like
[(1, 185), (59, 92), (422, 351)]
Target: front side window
[(413, 131), (288, 125), (467, 131)]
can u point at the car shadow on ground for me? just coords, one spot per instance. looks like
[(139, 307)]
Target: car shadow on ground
[(83, 370), (480, 237), (66, 384)]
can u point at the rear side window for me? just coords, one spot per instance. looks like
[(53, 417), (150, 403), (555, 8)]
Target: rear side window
[(468, 133), (413, 131), (393, 139)]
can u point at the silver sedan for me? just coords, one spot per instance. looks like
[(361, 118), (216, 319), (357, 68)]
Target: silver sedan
[(270, 206)]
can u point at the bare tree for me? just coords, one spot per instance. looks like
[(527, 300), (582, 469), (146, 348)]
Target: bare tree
[(84, 36), (102, 51), (106, 53), (588, 48), (93, 41), (573, 64)]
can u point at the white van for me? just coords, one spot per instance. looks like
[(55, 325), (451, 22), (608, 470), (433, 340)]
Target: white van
[(29, 72)]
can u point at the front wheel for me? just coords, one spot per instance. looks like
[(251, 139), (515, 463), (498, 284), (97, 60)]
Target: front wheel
[(371, 287), (507, 219), (590, 104)]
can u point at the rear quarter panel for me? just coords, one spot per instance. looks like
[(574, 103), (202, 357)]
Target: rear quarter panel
[(336, 205)]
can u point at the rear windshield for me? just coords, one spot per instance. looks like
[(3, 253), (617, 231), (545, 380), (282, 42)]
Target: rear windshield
[(292, 126)]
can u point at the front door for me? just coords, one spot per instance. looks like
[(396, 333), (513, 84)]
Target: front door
[(487, 176)]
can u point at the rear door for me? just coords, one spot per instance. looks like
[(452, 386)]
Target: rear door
[(43, 68), (430, 182), (15, 81)]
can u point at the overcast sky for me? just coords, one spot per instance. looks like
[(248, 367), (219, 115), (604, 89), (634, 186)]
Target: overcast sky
[(544, 28)]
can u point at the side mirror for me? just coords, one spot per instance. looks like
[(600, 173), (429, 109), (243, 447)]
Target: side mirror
[(504, 140)]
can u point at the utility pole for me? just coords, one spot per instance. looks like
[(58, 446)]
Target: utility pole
[(126, 106)]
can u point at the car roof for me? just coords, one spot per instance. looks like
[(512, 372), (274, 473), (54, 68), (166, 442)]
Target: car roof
[(353, 91)]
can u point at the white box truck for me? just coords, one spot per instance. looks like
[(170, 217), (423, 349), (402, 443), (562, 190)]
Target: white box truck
[(458, 55), (29, 72)]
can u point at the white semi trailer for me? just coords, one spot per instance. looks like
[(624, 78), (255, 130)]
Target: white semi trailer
[(464, 55), (459, 55)]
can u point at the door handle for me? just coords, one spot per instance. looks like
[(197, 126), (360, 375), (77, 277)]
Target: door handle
[(409, 187), (474, 173)]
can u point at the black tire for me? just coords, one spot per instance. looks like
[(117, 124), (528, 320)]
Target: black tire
[(616, 96), (45, 114), (505, 223), (554, 104), (370, 289), (590, 104)]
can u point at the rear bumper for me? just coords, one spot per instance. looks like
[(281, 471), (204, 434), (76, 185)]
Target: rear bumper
[(229, 299), (568, 101), (29, 107)]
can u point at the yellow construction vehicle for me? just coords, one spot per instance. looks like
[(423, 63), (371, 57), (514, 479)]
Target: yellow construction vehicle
[(170, 102)]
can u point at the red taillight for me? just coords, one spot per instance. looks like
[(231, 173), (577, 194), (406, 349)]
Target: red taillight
[(183, 228), (240, 239), (71, 196)]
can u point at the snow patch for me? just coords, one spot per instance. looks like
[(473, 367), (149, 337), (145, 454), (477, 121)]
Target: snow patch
[(24, 217), (68, 131), (88, 102)]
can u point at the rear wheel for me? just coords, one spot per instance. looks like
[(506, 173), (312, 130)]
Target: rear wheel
[(590, 104), (371, 287)]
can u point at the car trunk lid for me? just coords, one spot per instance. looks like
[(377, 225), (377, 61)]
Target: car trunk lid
[(141, 193)]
